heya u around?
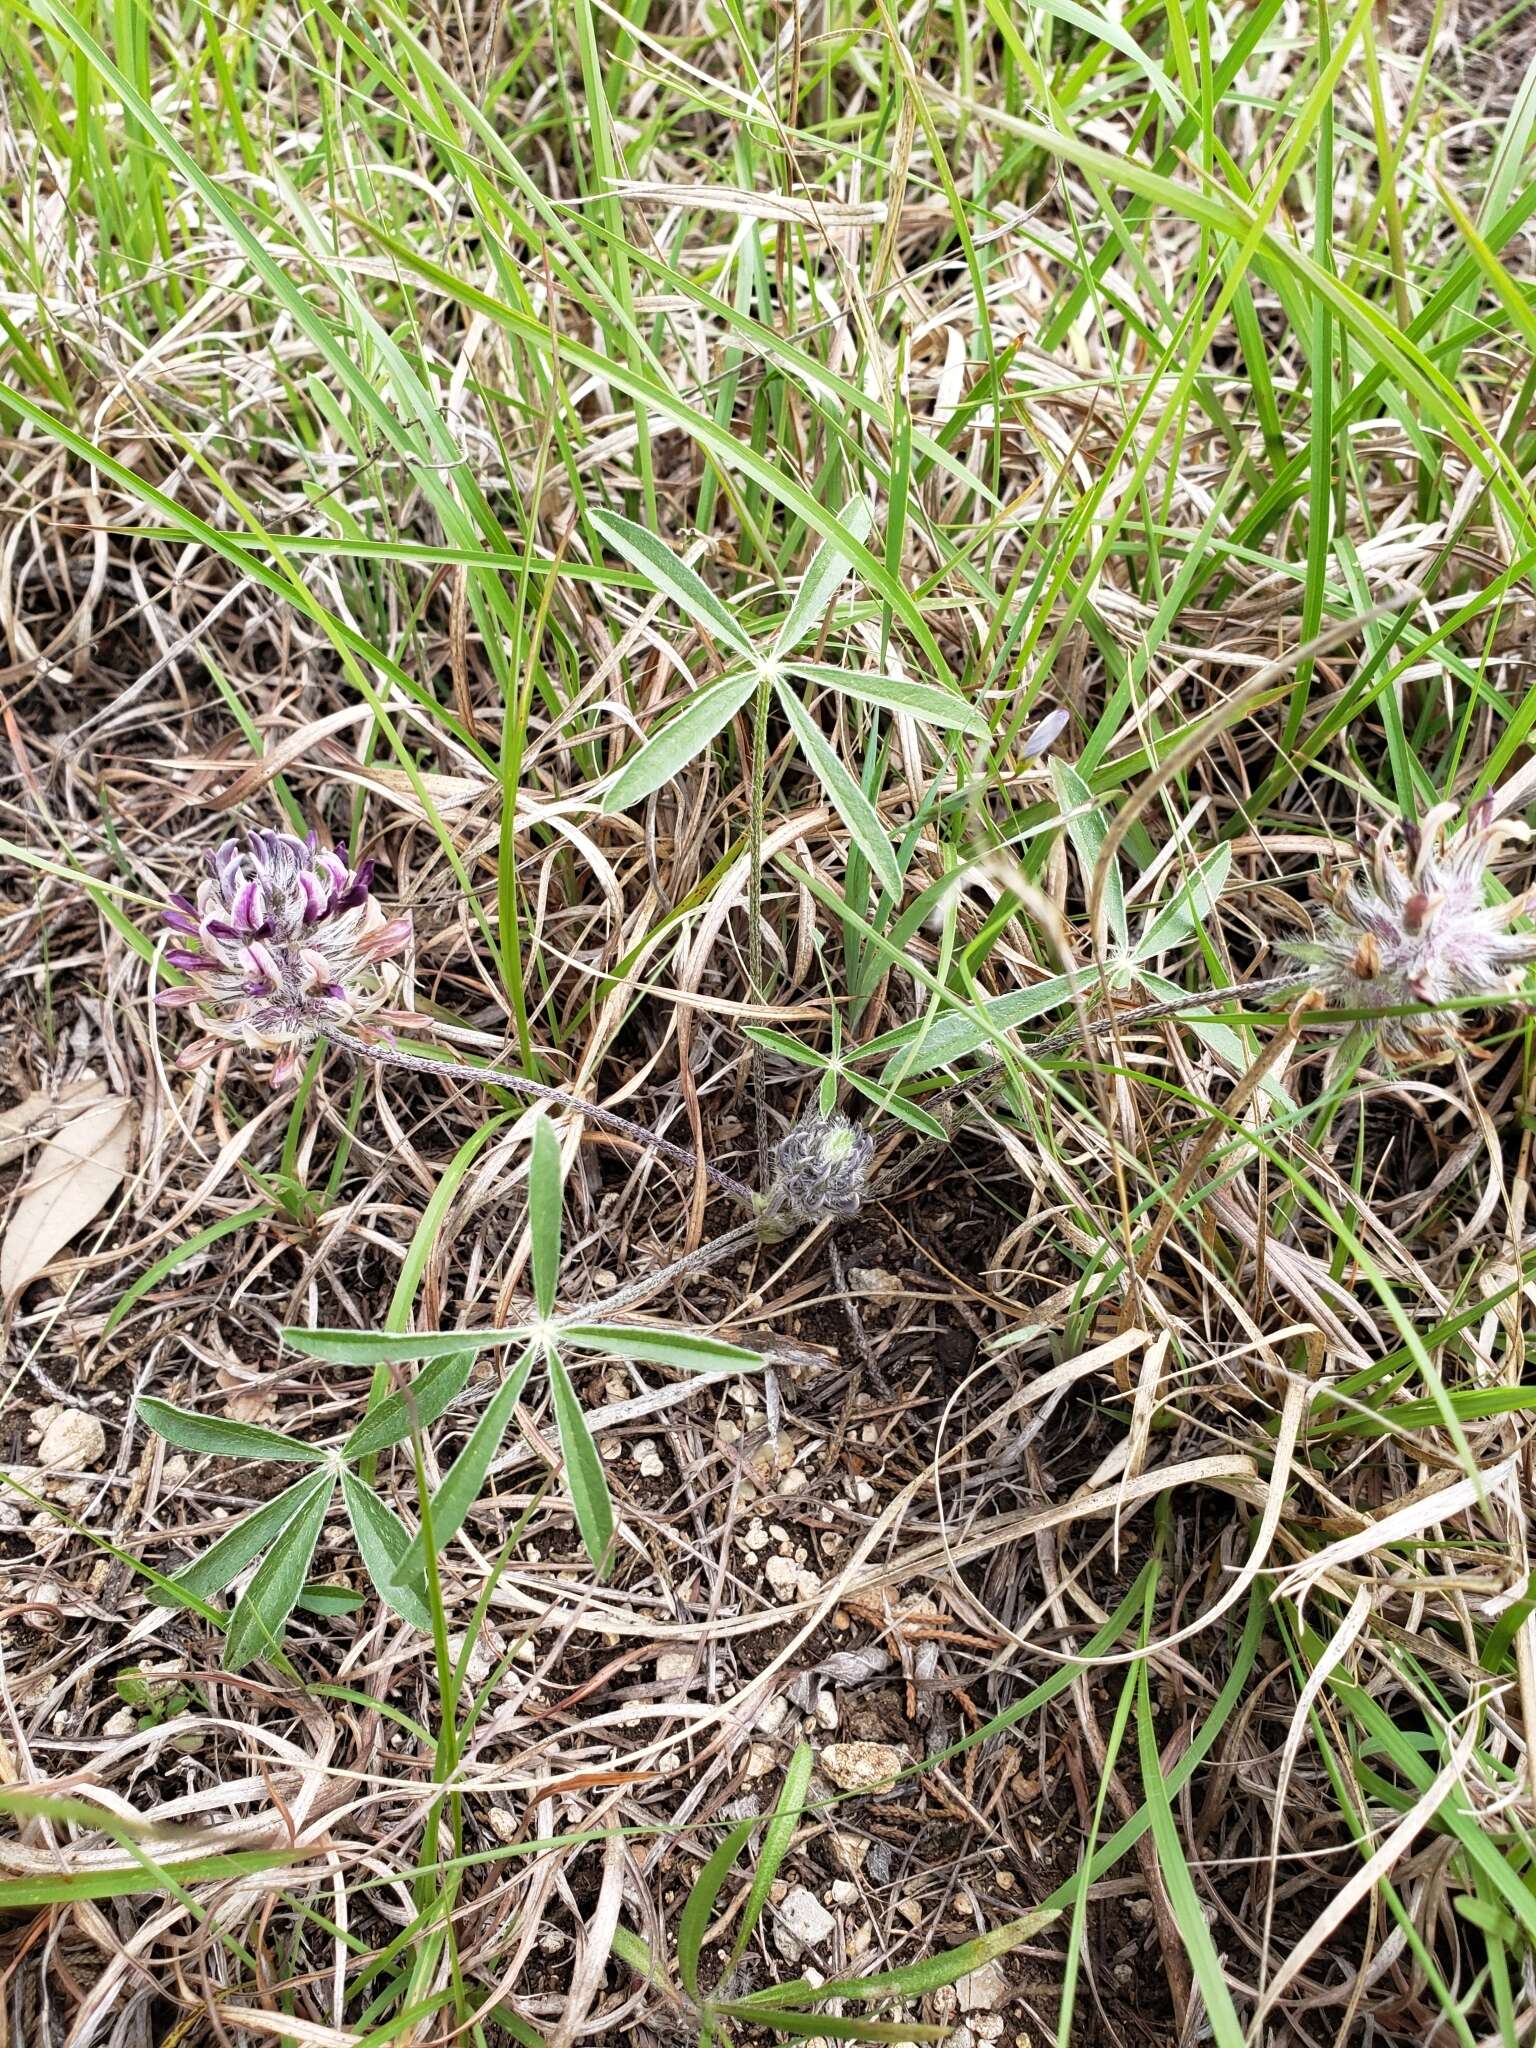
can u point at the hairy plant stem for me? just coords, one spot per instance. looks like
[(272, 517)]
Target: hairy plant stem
[(385, 1055), (696, 1261)]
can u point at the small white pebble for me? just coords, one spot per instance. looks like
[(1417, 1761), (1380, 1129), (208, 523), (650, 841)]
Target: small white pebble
[(861, 1766), (73, 1441), (802, 1923), (782, 1574)]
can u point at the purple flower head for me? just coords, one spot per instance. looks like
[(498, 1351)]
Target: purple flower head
[(282, 943), (1412, 926)]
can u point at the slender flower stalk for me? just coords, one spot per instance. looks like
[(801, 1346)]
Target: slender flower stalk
[(384, 1054), (283, 945)]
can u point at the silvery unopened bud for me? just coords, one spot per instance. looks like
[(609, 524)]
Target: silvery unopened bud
[(819, 1171), (1411, 926)]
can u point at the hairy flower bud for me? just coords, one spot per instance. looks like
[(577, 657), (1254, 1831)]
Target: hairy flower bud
[(1412, 927), (282, 943), (819, 1171)]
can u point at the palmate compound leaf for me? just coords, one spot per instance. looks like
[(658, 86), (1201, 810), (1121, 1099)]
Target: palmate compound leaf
[(684, 1349), (545, 1179), (926, 702), (387, 1347), (819, 585), (672, 576), (847, 798), (645, 1344), (261, 1613), (401, 1414), (666, 752), (382, 1541)]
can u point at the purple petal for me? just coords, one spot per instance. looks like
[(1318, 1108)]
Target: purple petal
[(316, 899), (357, 891), (248, 911)]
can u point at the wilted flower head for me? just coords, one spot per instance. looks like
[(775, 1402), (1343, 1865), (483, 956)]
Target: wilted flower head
[(1412, 925), (819, 1170), (282, 943)]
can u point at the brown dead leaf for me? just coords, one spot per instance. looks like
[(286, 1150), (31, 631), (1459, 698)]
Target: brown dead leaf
[(247, 1400), (41, 1113), (77, 1173)]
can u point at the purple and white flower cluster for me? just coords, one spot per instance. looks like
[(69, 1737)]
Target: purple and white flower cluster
[(283, 943), (1411, 927)]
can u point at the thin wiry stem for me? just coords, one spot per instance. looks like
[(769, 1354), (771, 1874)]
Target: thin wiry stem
[(1202, 999), (385, 1055), (1116, 1020)]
